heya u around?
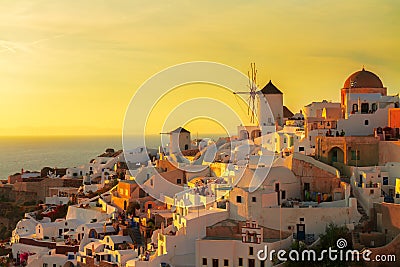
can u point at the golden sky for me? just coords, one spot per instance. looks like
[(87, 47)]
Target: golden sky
[(71, 67)]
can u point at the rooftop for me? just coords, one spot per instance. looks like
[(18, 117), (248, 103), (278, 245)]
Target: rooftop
[(179, 130), (270, 89), (363, 79)]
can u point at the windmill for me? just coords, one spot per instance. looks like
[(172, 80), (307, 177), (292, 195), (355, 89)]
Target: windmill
[(251, 105)]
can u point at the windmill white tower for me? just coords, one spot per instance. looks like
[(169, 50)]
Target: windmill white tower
[(258, 104)]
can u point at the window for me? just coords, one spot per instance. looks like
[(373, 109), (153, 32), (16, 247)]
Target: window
[(54, 265), (253, 199), (364, 108), (371, 191), (385, 180), (262, 263), (204, 261), (374, 107), (45, 265), (179, 181), (355, 108), (366, 122), (251, 251), (284, 140), (151, 182), (149, 206), (355, 155), (301, 148), (238, 199), (240, 261), (226, 262), (283, 194)]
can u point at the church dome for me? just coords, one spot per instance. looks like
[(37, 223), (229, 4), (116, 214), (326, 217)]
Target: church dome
[(363, 79)]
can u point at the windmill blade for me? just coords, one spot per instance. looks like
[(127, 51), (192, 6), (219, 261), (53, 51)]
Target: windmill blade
[(248, 105), (253, 110), (252, 84)]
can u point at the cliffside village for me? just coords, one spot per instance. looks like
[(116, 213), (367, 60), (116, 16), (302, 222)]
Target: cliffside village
[(216, 203)]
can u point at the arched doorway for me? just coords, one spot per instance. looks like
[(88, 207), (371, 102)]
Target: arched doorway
[(336, 155), (255, 134)]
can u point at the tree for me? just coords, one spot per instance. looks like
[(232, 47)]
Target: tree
[(329, 239), (132, 207)]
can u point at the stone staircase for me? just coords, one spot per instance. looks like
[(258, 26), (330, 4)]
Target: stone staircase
[(359, 228), (135, 235)]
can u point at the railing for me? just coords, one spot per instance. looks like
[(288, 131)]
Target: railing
[(309, 238)]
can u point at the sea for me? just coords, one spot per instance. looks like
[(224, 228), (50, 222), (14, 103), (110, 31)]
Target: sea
[(35, 152)]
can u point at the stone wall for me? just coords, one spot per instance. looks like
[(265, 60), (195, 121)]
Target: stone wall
[(367, 146), (42, 186), (389, 151), (320, 179), (8, 193), (393, 248), (390, 222)]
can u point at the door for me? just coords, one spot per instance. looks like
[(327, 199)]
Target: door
[(364, 108), (301, 231), (334, 155), (252, 263), (306, 189), (278, 193)]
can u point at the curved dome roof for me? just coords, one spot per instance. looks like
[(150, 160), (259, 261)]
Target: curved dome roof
[(363, 79)]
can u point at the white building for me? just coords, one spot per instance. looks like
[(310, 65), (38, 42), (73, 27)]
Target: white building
[(376, 184)]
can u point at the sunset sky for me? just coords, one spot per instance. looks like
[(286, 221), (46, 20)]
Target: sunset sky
[(71, 67)]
